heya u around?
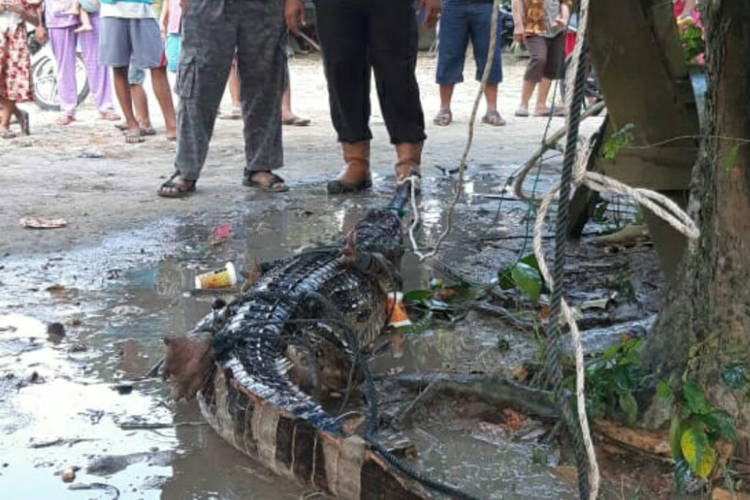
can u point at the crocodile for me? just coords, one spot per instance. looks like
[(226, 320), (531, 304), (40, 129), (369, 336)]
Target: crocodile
[(259, 365)]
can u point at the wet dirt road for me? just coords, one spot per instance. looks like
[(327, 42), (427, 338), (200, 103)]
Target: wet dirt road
[(120, 276), (66, 403)]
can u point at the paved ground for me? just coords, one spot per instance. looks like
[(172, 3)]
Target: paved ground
[(48, 174)]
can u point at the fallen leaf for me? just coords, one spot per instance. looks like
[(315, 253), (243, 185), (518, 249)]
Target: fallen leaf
[(513, 419)]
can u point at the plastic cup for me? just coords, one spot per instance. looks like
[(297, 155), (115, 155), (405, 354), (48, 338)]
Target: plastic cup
[(221, 278), (398, 316)]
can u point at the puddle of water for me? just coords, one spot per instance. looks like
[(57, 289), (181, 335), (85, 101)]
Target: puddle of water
[(120, 299)]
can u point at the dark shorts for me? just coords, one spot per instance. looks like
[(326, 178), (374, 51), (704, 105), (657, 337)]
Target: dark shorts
[(547, 57), (122, 41), (460, 22)]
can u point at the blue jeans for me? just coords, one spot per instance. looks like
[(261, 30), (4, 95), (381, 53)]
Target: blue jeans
[(461, 21)]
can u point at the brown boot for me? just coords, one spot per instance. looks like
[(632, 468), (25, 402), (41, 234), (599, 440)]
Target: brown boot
[(409, 159), (356, 175)]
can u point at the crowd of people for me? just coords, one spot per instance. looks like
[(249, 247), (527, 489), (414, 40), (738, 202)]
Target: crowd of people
[(242, 44)]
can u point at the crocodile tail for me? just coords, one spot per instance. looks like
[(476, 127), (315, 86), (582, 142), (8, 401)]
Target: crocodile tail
[(402, 198), (303, 444)]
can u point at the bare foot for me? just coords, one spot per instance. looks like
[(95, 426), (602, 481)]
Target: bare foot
[(65, 120)]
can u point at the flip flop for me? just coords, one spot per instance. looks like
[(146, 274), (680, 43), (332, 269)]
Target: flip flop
[(109, 116), (180, 190), (7, 134), (275, 181), (493, 118), (522, 112), (134, 137), (443, 118), (65, 120), (148, 131), (296, 121), (234, 114)]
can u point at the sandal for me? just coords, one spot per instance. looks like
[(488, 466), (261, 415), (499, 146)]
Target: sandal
[(180, 190), (234, 114), (7, 134), (553, 111), (109, 116), (148, 131), (277, 184), (296, 121), (522, 112), (443, 118), (65, 120), (493, 118), (134, 137)]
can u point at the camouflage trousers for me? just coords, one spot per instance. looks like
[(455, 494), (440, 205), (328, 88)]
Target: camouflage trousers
[(213, 32)]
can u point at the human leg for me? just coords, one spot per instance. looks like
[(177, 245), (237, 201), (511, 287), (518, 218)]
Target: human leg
[(343, 28)]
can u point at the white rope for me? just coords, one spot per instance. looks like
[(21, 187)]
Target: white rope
[(467, 148), (659, 204)]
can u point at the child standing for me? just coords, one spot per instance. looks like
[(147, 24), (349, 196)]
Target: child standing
[(83, 17), (171, 15)]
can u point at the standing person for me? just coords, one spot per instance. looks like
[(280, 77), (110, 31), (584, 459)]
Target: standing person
[(15, 72), (287, 115), (212, 33), (171, 15), (62, 27), (357, 38), (461, 21), (235, 112), (540, 24), (131, 35)]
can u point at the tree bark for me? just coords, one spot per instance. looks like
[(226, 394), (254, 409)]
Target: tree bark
[(709, 303)]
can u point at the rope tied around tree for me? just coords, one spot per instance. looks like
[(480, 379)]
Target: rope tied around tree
[(574, 170)]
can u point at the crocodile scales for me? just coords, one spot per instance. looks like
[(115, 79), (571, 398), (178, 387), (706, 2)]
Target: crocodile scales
[(255, 363)]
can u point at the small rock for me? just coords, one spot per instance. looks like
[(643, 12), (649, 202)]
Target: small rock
[(90, 153), (69, 476), (78, 348), (56, 329), (124, 389)]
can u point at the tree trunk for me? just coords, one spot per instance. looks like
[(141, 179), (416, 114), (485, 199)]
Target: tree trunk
[(709, 302)]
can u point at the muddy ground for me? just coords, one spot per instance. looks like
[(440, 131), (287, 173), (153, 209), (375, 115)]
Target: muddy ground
[(120, 276)]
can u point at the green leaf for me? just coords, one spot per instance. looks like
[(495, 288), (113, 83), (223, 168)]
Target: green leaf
[(505, 280), (675, 434), (721, 423), (611, 352), (417, 296), (693, 394), (629, 405), (735, 376), (530, 260), (420, 326), (664, 390), (528, 280), (698, 453), (732, 157)]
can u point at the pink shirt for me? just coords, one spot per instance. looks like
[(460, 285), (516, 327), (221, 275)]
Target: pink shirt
[(175, 14)]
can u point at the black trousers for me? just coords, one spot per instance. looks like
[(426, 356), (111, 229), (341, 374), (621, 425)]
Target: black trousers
[(356, 37)]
